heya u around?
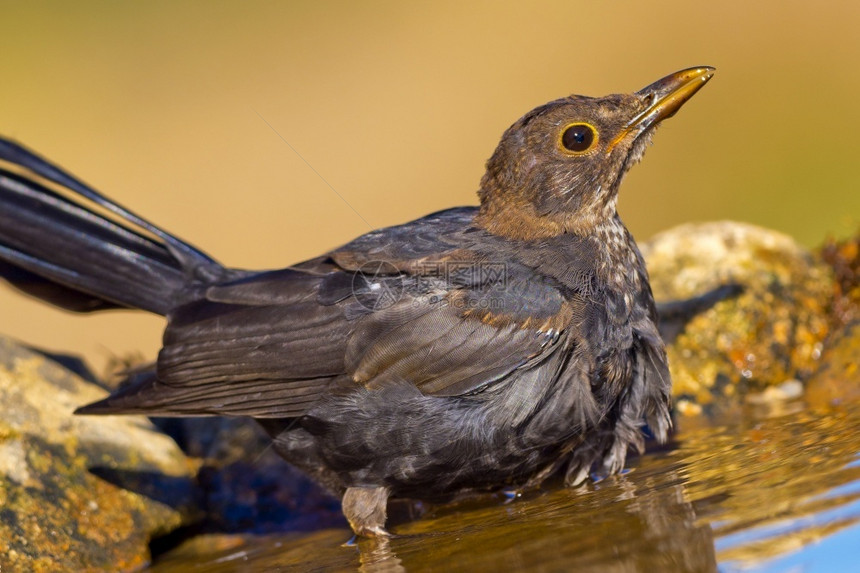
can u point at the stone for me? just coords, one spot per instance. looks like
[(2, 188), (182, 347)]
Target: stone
[(838, 379), (245, 484), (80, 492), (772, 332), (844, 258)]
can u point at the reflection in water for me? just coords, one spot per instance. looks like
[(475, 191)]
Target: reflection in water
[(376, 556), (736, 495), (790, 481)]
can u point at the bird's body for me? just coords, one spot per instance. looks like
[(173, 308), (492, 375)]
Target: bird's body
[(515, 373), (475, 348)]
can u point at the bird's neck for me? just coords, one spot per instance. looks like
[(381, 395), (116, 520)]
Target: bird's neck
[(519, 220), (516, 220), (620, 261)]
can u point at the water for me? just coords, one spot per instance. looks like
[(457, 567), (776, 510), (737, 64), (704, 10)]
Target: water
[(761, 494)]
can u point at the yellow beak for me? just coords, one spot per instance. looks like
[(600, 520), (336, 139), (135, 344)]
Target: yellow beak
[(667, 95)]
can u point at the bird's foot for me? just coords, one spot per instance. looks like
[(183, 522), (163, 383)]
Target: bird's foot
[(365, 509)]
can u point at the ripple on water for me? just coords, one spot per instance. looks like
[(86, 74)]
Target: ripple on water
[(763, 494)]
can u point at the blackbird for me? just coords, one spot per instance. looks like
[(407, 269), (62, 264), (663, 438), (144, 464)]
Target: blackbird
[(474, 348)]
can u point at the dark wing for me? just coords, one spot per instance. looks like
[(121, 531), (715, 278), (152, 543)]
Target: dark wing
[(652, 381), (270, 345), (458, 341), (260, 346), (431, 236)]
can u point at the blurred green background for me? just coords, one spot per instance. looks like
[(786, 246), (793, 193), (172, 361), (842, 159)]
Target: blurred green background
[(167, 107)]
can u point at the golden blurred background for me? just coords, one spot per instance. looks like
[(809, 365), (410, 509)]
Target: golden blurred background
[(188, 112)]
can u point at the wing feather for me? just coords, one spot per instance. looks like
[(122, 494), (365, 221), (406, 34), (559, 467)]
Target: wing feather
[(270, 344)]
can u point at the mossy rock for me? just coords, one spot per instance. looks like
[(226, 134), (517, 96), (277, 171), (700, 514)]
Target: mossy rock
[(838, 379), (76, 492), (772, 332)]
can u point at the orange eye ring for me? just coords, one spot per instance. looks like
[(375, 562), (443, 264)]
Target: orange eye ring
[(577, 138)]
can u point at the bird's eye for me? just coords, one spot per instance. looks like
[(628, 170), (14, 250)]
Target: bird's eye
[(578, 138)]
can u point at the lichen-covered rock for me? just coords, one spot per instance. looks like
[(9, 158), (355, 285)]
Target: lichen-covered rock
[(773, 331), (78, 492), (844, 258), (838, 379)]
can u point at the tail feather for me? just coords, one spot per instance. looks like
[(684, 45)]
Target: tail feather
[(52, 292), (56, 244)]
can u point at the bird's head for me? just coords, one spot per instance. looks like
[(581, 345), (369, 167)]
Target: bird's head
[(557, 170)]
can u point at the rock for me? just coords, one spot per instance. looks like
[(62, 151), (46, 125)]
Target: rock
[(844, 258), (770, 333), (838, 379), (246, 486), (80, 492)]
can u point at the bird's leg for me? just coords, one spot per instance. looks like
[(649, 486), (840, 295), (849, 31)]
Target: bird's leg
[(365, 509)]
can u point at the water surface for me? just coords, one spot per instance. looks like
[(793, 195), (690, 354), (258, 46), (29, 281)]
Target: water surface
[(774, 494)]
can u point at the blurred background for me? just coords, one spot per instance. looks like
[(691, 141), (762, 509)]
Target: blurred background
[(229, 123)]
